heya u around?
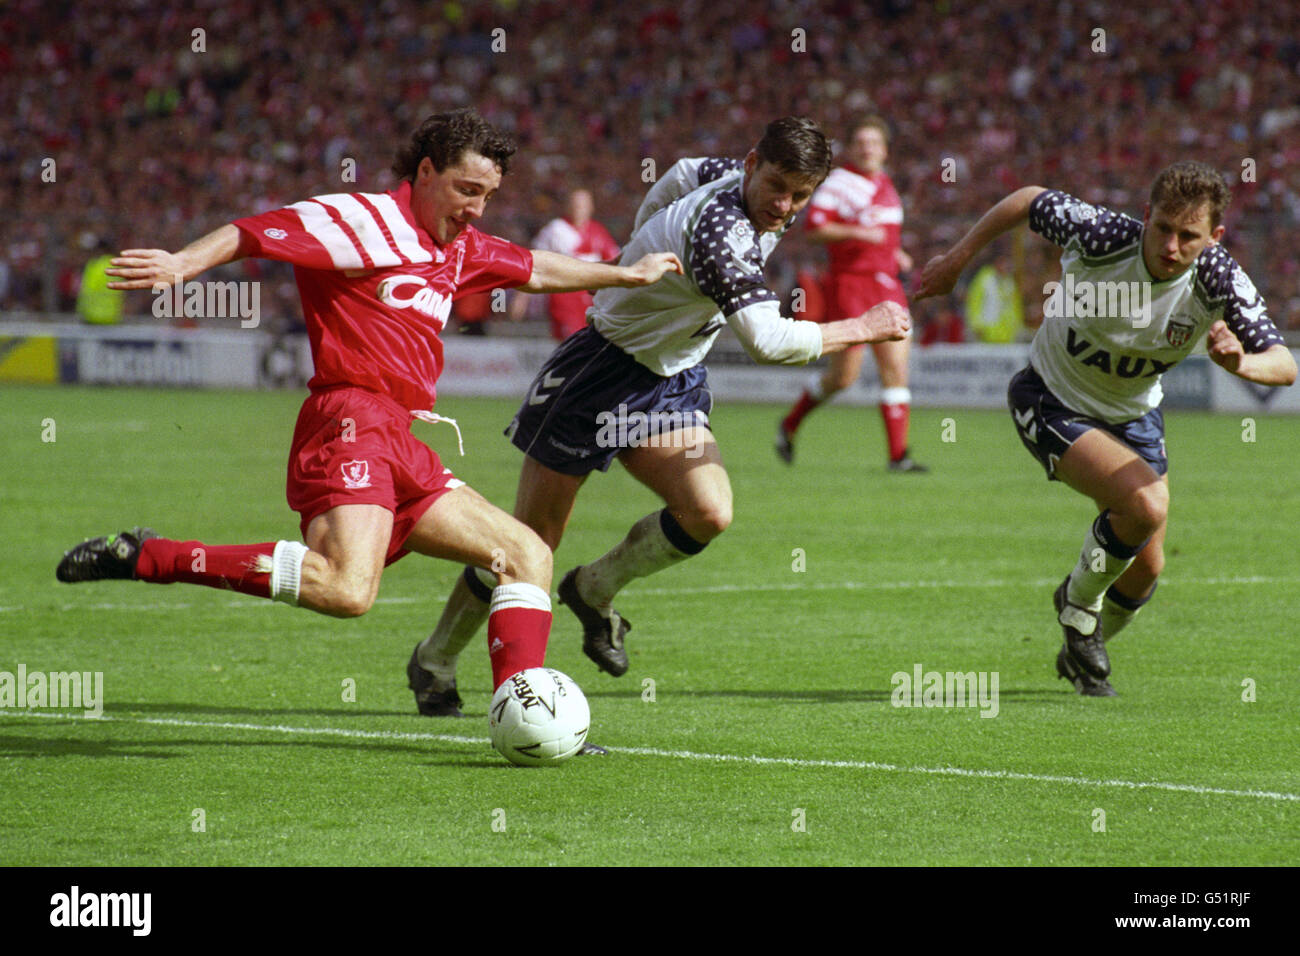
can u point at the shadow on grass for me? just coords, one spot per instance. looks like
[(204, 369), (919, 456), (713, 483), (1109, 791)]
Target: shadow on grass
[(829, 696), (11, 746)]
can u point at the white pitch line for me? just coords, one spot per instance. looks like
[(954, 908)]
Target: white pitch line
[(919, 585), (707, 589), (754, 759)]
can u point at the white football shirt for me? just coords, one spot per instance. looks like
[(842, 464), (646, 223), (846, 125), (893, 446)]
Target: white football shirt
[(696, 211), (1110, 330)]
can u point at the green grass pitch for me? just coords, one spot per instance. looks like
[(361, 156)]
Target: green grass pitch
[(770, 738)]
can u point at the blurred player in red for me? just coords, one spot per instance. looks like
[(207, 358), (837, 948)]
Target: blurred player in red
[(574, 234), (377, 273), (857, 213)]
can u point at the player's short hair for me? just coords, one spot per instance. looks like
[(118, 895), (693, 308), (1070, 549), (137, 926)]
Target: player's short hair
[(796, 145), (870, 121), (1189, 184), (446, 137)]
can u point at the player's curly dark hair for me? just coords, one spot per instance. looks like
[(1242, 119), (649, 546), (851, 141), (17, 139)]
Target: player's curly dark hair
[(1187, 185), (797, 145), (445, 137)]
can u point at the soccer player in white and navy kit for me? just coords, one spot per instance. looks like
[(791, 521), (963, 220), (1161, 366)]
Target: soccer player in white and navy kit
[(640, 361), (377, 273), (1087, 407), (859, 216), (574, 234)]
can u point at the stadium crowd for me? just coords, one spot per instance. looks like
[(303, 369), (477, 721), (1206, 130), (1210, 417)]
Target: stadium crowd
[(167, 123)]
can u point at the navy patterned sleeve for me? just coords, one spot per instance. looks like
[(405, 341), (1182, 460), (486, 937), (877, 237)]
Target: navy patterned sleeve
[(726, 262), (1061, 218), (1224, 281), (715, 168)]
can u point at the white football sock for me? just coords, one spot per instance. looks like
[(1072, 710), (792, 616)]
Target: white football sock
[(286, 571), (646, 549), (1103, 559), (1116, 616), (461, 619)]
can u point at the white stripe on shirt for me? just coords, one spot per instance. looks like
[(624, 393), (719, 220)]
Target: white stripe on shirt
[(408, 243), (321, 227), (363, 224)]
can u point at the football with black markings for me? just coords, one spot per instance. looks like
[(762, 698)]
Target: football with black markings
[(538, 717)]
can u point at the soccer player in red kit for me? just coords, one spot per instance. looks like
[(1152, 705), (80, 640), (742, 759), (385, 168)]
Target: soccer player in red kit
[(857, 213), (377, 273), (575, 234)]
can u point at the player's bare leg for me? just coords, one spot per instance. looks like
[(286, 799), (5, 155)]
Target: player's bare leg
[(686, 471), (464, 527), (476, 532), (1136, 586), (842, 372), (346, 548), (543, 502), (896, 402), (337, 572), (1134, 506)]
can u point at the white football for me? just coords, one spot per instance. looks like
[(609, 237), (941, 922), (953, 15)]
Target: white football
[(538, 717)]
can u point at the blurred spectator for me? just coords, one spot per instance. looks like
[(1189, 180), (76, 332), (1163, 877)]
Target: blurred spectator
[(994, 309), (110, 119), (575, 234), (97, 304)]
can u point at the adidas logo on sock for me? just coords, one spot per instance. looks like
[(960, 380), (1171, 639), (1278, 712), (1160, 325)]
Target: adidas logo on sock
[(496, 645)]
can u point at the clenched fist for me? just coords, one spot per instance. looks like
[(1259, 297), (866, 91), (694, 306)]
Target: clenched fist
[(886, 322), (1224, 348)]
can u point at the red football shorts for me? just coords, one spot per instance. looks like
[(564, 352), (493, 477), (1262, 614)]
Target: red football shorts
[(355, 447), (849, 295)]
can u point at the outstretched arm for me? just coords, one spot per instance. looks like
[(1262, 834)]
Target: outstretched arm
[(940, 273), (886, 322), (553, 272), (146, 268)]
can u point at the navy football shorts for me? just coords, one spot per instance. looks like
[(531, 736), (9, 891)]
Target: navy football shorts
[(1048, 428), (591, 400)]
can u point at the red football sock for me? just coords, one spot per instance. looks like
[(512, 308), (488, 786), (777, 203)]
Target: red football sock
[(517, 630), (896, 418), (801, 408), (237, 567)]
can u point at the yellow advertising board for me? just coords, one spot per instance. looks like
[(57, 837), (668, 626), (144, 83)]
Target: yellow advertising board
[(33, 359)]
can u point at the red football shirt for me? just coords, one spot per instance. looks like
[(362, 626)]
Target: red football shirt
[(376, 288), (851, 195)]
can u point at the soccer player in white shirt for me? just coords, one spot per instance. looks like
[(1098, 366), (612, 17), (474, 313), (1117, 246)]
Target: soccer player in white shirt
[(1135, 297), (631, 385)]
